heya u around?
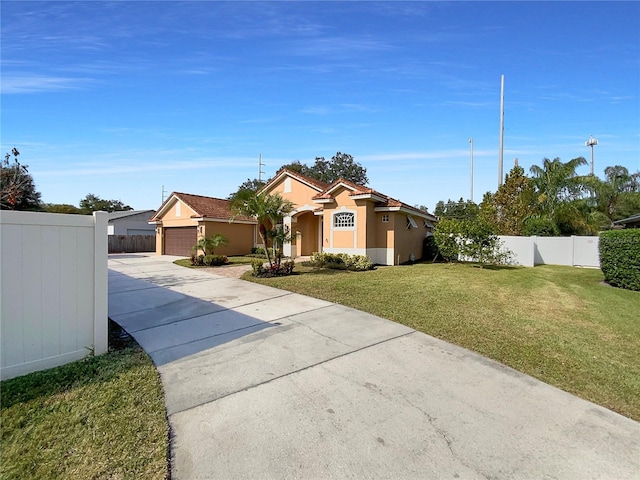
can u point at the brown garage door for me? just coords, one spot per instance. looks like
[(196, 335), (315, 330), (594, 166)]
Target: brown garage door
[(179, 240)]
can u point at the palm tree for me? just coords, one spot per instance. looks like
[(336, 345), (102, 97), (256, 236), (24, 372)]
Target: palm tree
[(556, 182), (209, 243), (268, 210), (618, 188)]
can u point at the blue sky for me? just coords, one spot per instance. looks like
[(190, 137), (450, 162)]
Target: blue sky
[(120, 98)]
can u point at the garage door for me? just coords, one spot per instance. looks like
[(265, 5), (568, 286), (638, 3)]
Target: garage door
[(179, 240)]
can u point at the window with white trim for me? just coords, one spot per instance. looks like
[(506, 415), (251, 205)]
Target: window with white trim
[(344, 220), (385, 218)]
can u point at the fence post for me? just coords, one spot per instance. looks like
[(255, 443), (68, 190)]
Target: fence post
[(100, 309)]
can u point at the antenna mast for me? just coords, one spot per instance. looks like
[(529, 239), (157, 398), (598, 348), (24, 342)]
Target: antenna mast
[(260, 165)]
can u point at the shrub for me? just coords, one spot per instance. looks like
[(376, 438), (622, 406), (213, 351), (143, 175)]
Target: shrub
[(258, 251), (257, 267), (197, 260), (341, 261), (620, 258), (540, 226), (275, 270), (430, 250), (214, 260)]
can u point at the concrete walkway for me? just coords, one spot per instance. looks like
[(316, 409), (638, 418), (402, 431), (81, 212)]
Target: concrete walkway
[(262, 383)]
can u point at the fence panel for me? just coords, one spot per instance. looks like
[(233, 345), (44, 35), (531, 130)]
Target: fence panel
[(574, 251), (523, 249), (586, 251), (53, 289), (132, 243)]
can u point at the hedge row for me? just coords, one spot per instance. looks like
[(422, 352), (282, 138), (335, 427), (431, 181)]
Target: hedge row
[(620, 258)]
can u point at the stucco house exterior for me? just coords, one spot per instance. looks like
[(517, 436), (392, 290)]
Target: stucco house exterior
[(130, 222), (344, 217), (184, 218)]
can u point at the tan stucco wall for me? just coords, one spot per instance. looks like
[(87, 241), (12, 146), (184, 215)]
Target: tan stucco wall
[(344, 238), (408, 241), (299, 195), (241, 236)]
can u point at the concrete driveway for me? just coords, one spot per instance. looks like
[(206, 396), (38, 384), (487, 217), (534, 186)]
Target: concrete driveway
[(263, 383)]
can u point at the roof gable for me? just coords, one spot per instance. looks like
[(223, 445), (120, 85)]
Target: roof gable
[(204, 207), (316, 185)]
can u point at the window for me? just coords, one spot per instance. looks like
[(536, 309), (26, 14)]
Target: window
[(385, 218), (177, 209), (411, 223), (287, 185), (344, 220)]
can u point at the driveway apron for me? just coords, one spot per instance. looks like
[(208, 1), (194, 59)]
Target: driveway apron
[(263, 383)]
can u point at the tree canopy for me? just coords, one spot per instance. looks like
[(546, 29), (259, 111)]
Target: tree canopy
[(341, 165), (93, 203), (556, 200), (17, 188)]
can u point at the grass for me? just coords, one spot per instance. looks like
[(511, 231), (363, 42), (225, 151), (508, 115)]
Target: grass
[(100, 418), (562, 325), (237, 260)]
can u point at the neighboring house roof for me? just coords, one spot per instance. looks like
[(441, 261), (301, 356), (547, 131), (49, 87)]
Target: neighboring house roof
[(129, 213), (204, 207), (632, 220)]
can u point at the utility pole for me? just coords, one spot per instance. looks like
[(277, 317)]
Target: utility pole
[(501, 149), (260, 165), (471, 168), (592, 142), (163, 195)]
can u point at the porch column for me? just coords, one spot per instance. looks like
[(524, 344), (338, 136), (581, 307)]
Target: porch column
[(286, 248)]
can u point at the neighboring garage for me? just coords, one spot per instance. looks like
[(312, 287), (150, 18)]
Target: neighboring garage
[(185, 218), (180, 240)]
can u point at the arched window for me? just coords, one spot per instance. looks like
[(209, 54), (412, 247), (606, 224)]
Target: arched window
[(344, 220)]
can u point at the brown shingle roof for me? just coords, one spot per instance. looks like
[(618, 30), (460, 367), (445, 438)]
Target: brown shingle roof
[(363, 190), (208, 207)]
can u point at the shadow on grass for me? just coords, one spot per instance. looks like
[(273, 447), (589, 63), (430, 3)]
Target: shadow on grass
[(124, 353)]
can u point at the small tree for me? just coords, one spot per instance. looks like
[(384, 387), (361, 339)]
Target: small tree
[(209, 243), (446, 237), (480, 243)]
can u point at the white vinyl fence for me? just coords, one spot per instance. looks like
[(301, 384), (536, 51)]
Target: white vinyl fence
[(574, 251), (54, 289)]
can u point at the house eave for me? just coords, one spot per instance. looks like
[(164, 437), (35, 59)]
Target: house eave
[(368, 196)]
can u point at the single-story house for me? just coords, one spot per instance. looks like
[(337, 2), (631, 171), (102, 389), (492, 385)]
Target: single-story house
[(630, 222), (130, 222), (343, 217), (183, 218)]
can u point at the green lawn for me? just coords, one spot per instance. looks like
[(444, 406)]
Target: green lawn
[(101, 418), (559, 324)]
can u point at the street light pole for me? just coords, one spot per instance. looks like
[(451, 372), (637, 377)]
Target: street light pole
[(592, 142), (471, 168)]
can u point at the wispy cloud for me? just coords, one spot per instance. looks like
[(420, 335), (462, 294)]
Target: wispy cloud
[(41, 83)]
